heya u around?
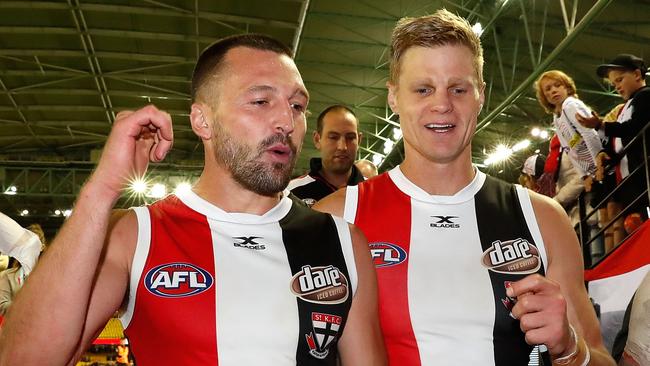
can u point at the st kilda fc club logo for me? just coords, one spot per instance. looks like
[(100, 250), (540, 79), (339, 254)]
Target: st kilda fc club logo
[(325, 329), (320, 285)]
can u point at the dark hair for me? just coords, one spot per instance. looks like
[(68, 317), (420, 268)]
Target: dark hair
[(211, 59), (335, 107)]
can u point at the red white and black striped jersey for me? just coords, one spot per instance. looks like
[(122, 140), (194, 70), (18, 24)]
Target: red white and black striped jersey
[(209, 287), (442, 263)]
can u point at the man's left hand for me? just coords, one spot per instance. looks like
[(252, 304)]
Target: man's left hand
[(542, 312)]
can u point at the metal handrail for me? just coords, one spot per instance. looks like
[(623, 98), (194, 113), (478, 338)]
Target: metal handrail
[(584, 216)]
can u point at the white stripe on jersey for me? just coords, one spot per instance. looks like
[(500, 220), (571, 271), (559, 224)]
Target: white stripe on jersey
[(238, 317), (300, 181), (531, 221), (467, 297), (351, 200), (348, 253), (139, 258)]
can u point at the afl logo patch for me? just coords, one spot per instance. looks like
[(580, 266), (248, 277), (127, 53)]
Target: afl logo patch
[(386, 254), (177, 280), (320, 285), (516, 256)]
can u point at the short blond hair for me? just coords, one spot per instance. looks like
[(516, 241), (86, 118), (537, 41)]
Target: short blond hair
[(556, 75), (439, 29)]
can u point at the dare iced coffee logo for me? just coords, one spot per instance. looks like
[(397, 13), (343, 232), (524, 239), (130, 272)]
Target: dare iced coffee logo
[(323, 285), (516, 256)]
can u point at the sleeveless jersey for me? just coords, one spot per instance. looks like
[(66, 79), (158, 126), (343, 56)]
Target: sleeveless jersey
[(209, 287), (442, 264)]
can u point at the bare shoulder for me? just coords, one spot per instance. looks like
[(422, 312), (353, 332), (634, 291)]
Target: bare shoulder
[(333, 204), (561, 242), (122, 237)]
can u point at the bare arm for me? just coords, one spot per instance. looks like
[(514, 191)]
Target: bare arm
[(80, 282), (362, 342), (332, 204), (547, 305)]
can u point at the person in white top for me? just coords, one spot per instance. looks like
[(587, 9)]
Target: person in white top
[(556, 92)]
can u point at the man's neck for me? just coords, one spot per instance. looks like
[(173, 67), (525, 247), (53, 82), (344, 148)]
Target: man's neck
[(336, 180), (219, 188), (441, 179)]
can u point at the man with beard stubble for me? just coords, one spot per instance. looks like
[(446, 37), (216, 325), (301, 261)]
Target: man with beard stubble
[(337, 138), (233, 272)]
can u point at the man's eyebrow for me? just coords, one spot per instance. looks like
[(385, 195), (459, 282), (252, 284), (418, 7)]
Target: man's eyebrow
[(302, 93), (260, 88)]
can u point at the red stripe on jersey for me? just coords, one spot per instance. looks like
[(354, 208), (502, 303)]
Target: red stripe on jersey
[(176, 330), (384, 215)]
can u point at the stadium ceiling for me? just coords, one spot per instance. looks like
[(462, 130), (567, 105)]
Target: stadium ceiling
[(67, 68)]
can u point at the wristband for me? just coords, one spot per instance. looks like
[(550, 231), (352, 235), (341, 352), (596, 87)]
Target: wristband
[(565, 360)]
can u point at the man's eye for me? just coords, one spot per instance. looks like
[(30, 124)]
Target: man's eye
[(458, 91), (423, 91), (298, 107), (260, 102)]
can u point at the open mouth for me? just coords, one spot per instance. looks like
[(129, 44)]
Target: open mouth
[(280, 150), (440, 127)]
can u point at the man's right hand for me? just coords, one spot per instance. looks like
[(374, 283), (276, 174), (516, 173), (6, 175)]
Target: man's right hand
[(137, 137)]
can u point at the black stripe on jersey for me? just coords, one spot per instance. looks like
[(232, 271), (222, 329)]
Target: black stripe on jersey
[(311, 239), (501, 218)]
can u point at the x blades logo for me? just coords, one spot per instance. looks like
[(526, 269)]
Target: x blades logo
[(249, 242), (444, 222)]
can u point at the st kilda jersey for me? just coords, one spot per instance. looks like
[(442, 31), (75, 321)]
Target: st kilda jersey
[(443, 263), (209, 287)]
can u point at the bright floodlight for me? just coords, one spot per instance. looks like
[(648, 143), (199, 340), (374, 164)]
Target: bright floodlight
[(11, 190), (139, 186), (543, 134), (535, 131), (478, 29), (183, 187), (388, 146), (521, 145), (501, 153), (158, 190), (57, 212), (376, 159), (67, 213), (397, 133), (24, 212)]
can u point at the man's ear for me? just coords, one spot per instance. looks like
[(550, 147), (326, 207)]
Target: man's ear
[(316, 139), (638, 75), (392, 97), (359, 137), (481, 98), (200, 123)]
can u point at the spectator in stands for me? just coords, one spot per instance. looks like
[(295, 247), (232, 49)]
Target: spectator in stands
[(627, 74), (556, 93), (122, 353), (367, 168), (12, 280), (531, 171), (337, 137), (19, 243)]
